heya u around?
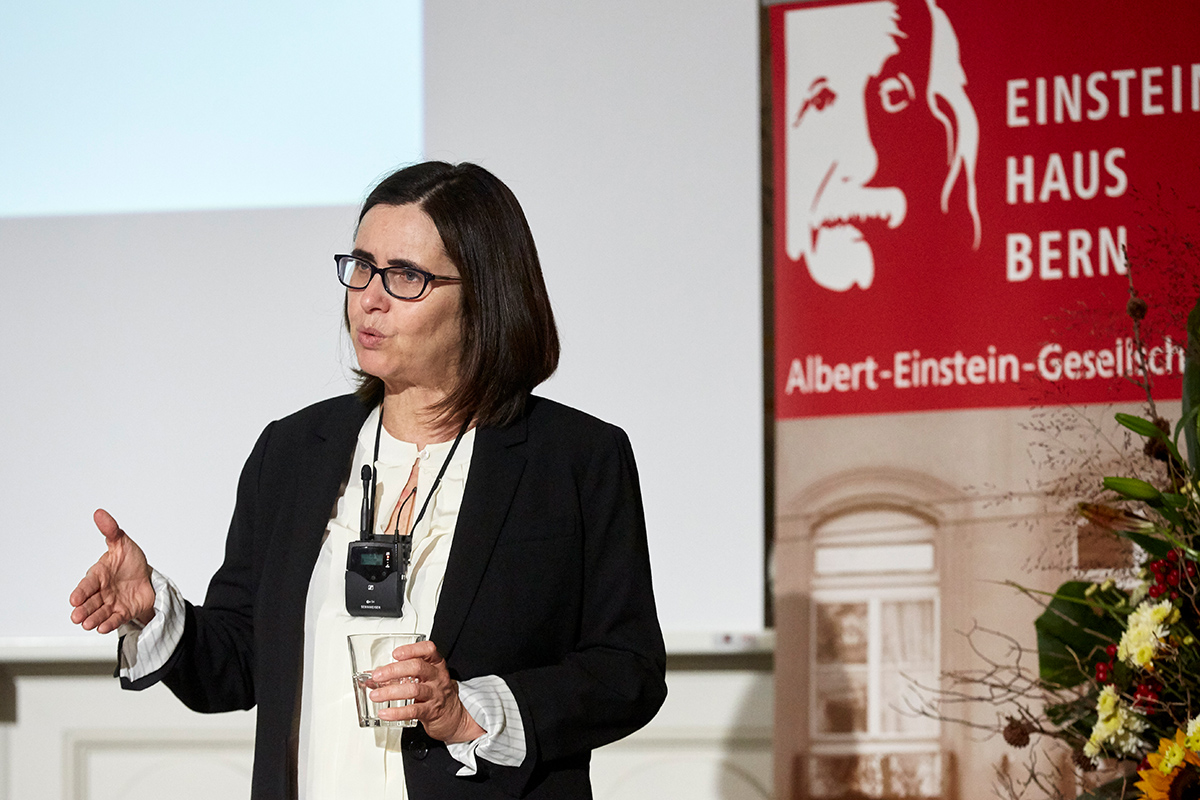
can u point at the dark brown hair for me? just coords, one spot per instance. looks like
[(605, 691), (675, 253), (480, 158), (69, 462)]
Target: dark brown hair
[(508, 339)]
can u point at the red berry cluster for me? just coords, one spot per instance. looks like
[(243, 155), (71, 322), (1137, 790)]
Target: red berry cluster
[(1167, 575), (1104, 669), (1145, 696)]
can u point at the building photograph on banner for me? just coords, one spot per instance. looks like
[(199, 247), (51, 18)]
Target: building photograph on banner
[(984, 239)]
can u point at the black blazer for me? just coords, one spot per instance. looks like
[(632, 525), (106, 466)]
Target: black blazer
[(548, 586)]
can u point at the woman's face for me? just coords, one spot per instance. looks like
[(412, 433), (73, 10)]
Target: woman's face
[(406, 343)]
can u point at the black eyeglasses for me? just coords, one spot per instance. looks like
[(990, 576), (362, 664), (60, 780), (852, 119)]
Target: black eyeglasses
[(402, 283)]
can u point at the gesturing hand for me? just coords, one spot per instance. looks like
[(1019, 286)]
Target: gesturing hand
[(419, 674), (117, 588)]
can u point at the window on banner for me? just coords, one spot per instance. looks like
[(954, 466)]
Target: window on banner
[(874, 644), (1101, 554)]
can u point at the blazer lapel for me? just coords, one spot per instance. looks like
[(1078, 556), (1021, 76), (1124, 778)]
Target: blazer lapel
[(496, 466), (321, 462), (323, 467)]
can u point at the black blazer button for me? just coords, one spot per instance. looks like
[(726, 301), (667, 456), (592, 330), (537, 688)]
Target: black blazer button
[(418, 746)]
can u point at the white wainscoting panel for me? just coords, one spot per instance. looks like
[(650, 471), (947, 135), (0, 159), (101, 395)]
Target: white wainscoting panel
[(71, 733), (79, 737), (711, 741), (152, 764)]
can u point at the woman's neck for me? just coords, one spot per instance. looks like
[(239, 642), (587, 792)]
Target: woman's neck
[(408, 416)]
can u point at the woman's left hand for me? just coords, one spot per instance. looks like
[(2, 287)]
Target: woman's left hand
[(419, 674)]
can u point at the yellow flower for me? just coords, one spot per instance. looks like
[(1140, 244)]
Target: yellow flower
[(1107, 702), (1172, 757), (1173, 769), (1117, 726), (1193, 735), (1145, 632)]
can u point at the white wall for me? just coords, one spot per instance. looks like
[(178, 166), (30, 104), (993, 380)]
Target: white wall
[(142, 355), (629, 131)]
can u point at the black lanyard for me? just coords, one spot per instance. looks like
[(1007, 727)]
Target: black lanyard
[(367, 532)]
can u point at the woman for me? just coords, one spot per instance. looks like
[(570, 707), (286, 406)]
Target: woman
[(530, 572)]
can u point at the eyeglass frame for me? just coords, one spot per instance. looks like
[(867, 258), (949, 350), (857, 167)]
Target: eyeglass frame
[(428, 277)]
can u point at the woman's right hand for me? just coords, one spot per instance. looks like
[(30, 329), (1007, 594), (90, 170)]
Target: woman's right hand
[(117, 588)]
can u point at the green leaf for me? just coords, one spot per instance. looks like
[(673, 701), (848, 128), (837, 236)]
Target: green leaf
[(1169, 514), (1134, 488), (1189, 421), (1141, 426), (1191, 388), (1070, 633), (1175, 500), (1151, 544)]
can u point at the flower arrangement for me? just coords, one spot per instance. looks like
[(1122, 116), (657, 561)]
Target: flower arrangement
[(1119, 664), (1116, 686)]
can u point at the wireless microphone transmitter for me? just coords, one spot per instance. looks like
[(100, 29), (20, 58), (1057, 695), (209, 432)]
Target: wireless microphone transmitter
[(376, 566), (375, 577)]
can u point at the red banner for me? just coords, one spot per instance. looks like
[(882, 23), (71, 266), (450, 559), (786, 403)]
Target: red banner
[(954, 185)]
